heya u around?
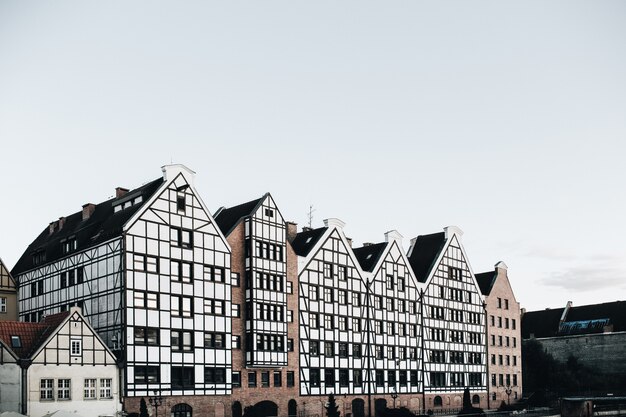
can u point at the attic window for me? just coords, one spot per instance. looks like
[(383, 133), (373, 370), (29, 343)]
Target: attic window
[(369, 256), (308, 239), (180, 202), (39, 257), (68, 245), (16, 342), (269, 212)]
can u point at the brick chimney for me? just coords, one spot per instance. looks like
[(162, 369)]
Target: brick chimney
[(349, 239), (292, 231), (367, 244), (52, 227), (120, 192), (61, 222), (88, 210)]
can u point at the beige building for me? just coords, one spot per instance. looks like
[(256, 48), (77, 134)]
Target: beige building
[(8, 295), (504, 347)]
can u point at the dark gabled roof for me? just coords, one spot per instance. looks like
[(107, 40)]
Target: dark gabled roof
[(485, 281), (228, 218), (369, 255), (103, 224), (545, 323), (425, 252), (304, 241), (31, 335)]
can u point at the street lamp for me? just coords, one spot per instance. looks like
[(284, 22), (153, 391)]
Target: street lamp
[(394, 395), (508, 391), (156, 401)]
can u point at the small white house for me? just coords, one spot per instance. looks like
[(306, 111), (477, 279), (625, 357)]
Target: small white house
[(62, 365)]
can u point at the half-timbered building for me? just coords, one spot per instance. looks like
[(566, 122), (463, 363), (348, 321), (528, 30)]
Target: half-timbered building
[(453, 321), (8, 294), (61, 364), (152, 272)]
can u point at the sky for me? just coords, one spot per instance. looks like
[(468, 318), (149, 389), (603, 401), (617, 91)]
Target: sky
[(507, 119)]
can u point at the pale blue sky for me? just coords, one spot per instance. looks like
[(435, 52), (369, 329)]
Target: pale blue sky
[(507, 119)]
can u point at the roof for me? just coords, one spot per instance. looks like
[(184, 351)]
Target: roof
[(304, 241), (485, 281), (228, 218), (424, 253), (369, 255), (103, 224), (32, 335), (579, 320)]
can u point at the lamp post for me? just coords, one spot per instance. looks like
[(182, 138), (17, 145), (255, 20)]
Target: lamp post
[(508, 391), (156, 401), (394, 395)]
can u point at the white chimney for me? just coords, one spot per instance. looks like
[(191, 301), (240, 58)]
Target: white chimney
[(393, 236), (502, 265), (453, 230), (171, 171), (334, 222)]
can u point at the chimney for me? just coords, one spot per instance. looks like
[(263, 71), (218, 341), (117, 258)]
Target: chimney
[(565, 311), (120, 192), (171, 171), (450, 230), (292, 231), (306, 228), (61, 222), (334, 222), (88, 210), (349, 239), (367, 244), (502, 265), (52, 226), (393, 235)]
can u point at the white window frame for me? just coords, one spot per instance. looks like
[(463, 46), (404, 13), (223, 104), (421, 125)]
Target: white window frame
[(106, 388), (46, 389), (89, 392), (64, 389)]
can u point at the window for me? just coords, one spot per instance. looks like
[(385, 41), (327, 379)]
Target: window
[(342, 273), (506, 304), (251, 379), (181, 271), (356, 350), (314, 376), (356, 299), (215, 307), (328, 322), (63, 279), (329, 348), (493, 380), (144, 299), (75, 347), (493, 359), (438, 356), (378, 302), (514, 380), (457, 357), (314, 348), (215, 274), (493, 321), (278, 379), (16, 342), (265, 379), (290, 345), (64, 389), (500, 379), (401, 306), (506, 323), (403, 379), (343, 349), (236, 310), (236, 379), (390, 304), (357, 377), (390, 328), (46, 389), (105, 388), (513, 324), (68, 245), (328, 294), (181, 306), (356, 325), (455, 274), (343, 377), (182, 341), (413, 376), (236, 342), (437, 379), (378, 327), (500, 360), (400, 284), (180, 202), (147, 374), (181, 237), (313, 293), (380, 378), (389, 282), (89, 392), (289, 287), (499, 302), (218, 376), (514, 360), (391, 378), (215, 340), (146, 335), (342, 297), (328, 270), (378, 352), (291, 379)]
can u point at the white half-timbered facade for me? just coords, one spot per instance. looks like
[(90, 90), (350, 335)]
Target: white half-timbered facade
[(8, 294), (453, 319), (333, 313)]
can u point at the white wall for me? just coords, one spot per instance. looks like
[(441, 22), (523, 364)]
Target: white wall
[(10, 392)]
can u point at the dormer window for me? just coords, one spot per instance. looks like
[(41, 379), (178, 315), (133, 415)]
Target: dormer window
[(269, 212), (68, 245), (16, 342), (39, 257)]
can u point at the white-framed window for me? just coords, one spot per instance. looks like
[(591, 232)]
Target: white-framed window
[(76, 347), (105, 388), (3, 304), (64, 389), (236, 310), (181, 306), (90, 389), (46, 390)]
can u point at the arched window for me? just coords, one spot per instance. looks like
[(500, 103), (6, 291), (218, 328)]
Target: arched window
[(181, 410), (292, 408), (475, 399), (438, 401), (237, 409)]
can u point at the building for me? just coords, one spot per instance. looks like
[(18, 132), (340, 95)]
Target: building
[(504, 347), (8, 295), (240, 311), (453, 321), (152, 272), (595, 334), (58, 364)]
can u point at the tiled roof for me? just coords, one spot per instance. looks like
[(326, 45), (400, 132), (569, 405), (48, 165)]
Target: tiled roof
[(228, 218), (545, 323), (425, 252), (103, 224), (31, 335), (485, 281), (369, 255), (304, 241)]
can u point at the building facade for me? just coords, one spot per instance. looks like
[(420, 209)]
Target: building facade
[(239, 313), (504, 345), (8, 295)]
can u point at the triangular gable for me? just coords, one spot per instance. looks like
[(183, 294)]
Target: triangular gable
[(178, 179), (331, 231), (7, 353), (268, 200), (503, 279), (51, 341), (7, 282), (449, 242), (401, 256)]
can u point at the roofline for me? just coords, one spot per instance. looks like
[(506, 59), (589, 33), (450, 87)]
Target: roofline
[(8, 348), (258, 204), (386, 251)]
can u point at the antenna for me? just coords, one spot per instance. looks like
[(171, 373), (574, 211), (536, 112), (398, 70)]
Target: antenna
[(310, 214)]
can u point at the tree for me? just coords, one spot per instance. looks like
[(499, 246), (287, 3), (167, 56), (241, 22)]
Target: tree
[(467, 400), (332, 409), (468, 409), (143, 409)]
